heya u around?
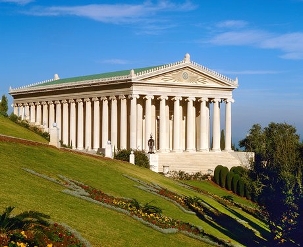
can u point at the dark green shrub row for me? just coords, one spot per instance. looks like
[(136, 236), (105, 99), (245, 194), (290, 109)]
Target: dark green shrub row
[(25, 124), (140, 157), (232, 180)]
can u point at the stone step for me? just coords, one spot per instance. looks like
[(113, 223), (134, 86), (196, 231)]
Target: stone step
[(205, 162)]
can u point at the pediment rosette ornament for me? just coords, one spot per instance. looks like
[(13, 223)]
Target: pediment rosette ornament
[(184, 76)]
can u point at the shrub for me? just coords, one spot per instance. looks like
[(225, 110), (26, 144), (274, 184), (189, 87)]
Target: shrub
[(13, 117), (238, 170), (229, 178), (223, 174), (217, 174), (240, 188), (140, 157), (234, 183), (123, 154)]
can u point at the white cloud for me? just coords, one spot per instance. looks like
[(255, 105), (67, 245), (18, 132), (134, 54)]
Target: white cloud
[(232, 24), (113, 13), (291, 44), (114, 61), (21, 2)]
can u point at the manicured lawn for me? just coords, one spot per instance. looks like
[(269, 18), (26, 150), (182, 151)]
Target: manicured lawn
[(12, 129), (99, 225)]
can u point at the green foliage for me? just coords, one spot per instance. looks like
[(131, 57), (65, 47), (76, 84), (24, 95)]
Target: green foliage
[(217, 174), (241, 187), (25, 221), (4, 106), (140, 157), (222, 140), (229, 178), (223, 174), (276, 178), (234, 183), (240, 170)]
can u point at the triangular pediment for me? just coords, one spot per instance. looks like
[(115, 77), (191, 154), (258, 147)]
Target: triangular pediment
[(186, 73)]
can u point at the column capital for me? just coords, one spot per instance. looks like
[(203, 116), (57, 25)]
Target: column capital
[(79, 100), (71, 101), (177, 98), (31, 103), (95, 99), (121, 96), (132, 96), (64, 101), (190, 99), (86, 100), (43, 103), (148, 97), (19, 104), (216, 100), (25, 104), (163, 97), (103, 98), (57, 102), (50, 102), (202, 99), (229, 100), (112, 97), (38, 103)]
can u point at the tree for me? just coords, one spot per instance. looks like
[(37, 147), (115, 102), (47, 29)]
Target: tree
[(276, 176), (3, 105), (222, 140)]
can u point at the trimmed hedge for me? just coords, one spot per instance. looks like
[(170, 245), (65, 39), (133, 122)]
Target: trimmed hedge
[(229, 178), (217, 174), (223, 174), (234, 186), (241, 188)]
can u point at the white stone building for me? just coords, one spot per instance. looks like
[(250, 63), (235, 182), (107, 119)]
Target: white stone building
[(178, 103)]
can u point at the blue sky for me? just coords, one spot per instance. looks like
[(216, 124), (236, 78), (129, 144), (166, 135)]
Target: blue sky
[(258, 41)]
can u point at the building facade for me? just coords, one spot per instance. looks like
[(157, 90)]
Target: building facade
[(179, 104)]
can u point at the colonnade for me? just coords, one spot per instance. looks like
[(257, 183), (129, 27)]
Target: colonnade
[(177, 123)]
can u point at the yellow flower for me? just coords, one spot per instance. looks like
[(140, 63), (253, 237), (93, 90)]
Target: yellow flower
[(21, 244), (23, 234), (49, 245)]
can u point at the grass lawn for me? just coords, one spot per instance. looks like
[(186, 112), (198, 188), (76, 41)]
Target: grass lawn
[(99, 225)]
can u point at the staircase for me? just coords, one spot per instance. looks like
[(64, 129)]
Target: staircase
[(204, 162)]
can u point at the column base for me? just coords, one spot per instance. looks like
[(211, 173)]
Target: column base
[(216, 150), (190, 150), (204, 150), (228, 150), (177, 151)]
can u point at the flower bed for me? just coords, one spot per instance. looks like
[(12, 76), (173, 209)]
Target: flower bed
[(147, 214)]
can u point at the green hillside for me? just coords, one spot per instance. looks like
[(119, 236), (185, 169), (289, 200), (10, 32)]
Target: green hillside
[(100, 225)]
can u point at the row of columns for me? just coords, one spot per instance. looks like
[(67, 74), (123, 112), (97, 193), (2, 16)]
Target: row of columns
[(84, 121)]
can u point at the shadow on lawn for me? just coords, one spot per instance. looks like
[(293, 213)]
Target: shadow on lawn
[(230, 226)]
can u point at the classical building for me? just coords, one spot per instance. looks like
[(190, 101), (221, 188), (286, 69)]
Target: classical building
[(179, 104)]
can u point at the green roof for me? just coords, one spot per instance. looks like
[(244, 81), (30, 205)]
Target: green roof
[(95, 76)]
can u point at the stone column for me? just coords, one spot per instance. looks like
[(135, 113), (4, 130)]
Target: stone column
[(65, 115), (32, 112), (21, 111), (72, 124), (45, 114), (88, 124), (123, 122), (58, 117), (38, 120), (228, 124), (104, 121), (204, 118), (216, 125), (51, 114), (139, 133), (80, 124), (176, 137), (148, 120), (190, 125), (96, 135), (163, 140), (16, 109), (133, 121), (114, 121), (26, 111)]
